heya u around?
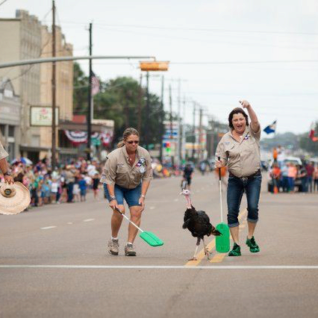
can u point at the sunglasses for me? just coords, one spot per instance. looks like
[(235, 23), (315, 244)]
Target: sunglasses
[(133, 142)]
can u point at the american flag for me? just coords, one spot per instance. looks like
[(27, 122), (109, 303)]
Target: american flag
[(95, 84)]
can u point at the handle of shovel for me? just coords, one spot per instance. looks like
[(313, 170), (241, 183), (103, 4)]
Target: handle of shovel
[(219, 158), (131, 222), (220, 188)]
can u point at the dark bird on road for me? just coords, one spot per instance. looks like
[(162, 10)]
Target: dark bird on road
[(198, 223)]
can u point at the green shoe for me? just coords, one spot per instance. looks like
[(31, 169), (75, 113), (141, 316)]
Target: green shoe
[(236, 251), (251, 243)]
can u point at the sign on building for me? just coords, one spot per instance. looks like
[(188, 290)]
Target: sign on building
[(42, 116)]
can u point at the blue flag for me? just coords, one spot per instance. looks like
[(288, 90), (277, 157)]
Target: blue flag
[(270, 128)]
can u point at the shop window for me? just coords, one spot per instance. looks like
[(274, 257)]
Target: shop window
[(11, 131)]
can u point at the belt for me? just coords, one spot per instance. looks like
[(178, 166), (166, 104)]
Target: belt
[(257, 173)]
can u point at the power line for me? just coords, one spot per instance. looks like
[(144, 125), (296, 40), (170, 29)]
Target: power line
[(208, 42), (214, 30), (3, 2)]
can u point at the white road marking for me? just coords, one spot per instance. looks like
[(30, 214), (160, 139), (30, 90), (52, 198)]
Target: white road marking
[(216, 267), (48, 227), (89, 220)]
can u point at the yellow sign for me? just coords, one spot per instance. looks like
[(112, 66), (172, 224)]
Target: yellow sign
[(154, 66)]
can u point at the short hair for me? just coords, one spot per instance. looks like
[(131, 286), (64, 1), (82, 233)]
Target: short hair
[(237, 110)]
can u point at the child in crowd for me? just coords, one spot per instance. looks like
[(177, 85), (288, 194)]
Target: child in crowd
[(83, 187)]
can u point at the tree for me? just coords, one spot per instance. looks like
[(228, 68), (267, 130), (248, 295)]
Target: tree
[(123, 101), (80, 92)]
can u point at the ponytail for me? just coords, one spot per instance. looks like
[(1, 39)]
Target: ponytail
[(121, 144)]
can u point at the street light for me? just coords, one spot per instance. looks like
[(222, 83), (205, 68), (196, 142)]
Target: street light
[(155, 66)]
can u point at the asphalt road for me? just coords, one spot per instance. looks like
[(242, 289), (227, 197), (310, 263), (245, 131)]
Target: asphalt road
[(54, 261)]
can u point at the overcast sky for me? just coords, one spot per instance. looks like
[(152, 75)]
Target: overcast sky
[(213, 47)]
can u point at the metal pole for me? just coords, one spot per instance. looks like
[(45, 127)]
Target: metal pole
[(200, 135), (89, 109), (147, 115), (71, 58), (193, 128), (161, 128), (171, 126), (140, 105), (53, 161), (179, 123), (183, 131)]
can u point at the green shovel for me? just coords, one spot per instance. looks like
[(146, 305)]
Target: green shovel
[(222, 242), (148, 237)]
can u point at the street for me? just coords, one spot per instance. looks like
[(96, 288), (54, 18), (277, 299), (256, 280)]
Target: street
[(54, 260)]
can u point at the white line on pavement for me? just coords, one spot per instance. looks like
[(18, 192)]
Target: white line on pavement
[(89, 220), (295, 267), (48, 227)]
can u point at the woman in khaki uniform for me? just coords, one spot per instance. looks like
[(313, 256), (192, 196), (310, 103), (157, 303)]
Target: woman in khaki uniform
[(126, 176), (239, 150)]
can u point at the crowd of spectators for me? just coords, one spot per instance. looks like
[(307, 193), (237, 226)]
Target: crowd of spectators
[(288, 176), (68, 183)]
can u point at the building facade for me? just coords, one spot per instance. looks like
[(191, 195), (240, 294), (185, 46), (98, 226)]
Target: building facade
[(10, 114), (24, 38)]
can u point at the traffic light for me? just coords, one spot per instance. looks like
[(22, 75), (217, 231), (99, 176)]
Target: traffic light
[(167, 146), (154, 66)]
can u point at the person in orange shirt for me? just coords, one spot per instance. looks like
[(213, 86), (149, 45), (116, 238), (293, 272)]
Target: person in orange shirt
[(275, 174), (275, 154), (292, 174)]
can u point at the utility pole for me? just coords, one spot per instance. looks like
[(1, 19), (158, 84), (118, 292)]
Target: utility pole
[(179, 123), (183, 152), (89, 109), (193, 131), (161, 127), (200, 135), (147, 115), (53, 161), (171, 125), (139, 105)]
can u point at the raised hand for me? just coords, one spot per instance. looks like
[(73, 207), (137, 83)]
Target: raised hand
[(245, 104)]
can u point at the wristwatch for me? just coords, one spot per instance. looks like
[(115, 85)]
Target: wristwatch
[(112, 197), (143, 196)]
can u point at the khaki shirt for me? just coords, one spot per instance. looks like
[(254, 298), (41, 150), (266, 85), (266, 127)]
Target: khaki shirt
[(3, 153), (118, 170), (242, 158)]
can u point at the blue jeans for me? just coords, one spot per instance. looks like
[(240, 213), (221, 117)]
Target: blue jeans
[(70, 195), (291, 183), (235, 191), (131, 196), (285, 184), (309, 184)]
